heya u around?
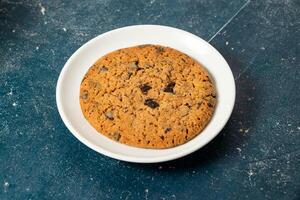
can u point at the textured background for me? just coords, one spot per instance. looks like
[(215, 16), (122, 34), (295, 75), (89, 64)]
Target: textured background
[(256, 156)]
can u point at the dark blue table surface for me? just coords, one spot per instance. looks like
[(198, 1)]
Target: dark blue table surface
[(257, 154)]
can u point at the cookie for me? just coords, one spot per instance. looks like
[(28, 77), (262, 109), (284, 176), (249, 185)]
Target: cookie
[(148, 96)]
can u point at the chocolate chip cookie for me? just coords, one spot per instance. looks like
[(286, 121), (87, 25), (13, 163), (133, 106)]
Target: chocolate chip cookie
[(148, 96)]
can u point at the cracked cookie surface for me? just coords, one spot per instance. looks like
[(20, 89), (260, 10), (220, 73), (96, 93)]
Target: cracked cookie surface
[(148, 96)]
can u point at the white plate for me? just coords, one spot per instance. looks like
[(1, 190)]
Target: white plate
[(67, 91)]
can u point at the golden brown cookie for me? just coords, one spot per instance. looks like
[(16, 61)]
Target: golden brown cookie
[(148, 96)]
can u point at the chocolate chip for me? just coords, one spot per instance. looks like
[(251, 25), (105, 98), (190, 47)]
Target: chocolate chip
[(145, 88), (103, 69), (169, 88), (109, 115), (85, 94), (129, 74), (159, 50), (167, 130), (199, 104), (188, 105), (211, 102), (162, 137), (116, 136), (151, 103), (134, 66), (139, 68)]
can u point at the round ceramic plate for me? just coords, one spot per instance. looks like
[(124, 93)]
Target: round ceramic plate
[(67, 91)]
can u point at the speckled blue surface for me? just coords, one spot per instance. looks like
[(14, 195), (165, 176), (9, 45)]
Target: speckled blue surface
[(256, 156)]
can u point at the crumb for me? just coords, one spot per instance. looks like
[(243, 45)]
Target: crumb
[(10, 92), (42, 9)]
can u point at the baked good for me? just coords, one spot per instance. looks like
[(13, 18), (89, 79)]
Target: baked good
[(148, 96)]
